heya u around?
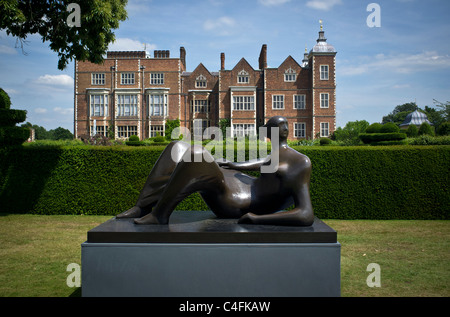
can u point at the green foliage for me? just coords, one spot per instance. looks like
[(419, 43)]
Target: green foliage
[(61, 134), (40, 133), (389, 127), (170, 126), (412, 131), (223, 125), (398, 115), (159, 138), (425, 129), (349, 134), (133, 140), (325, 141), (368, 138), (444, 109), (444, 129), (374, 128), (13, 135), (49, 19), (9, 117), (396, 182), (5, 101), (430, 140), (9, 133), (383, 134)]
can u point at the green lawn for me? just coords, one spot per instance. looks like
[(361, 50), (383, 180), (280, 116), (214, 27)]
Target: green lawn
[(413, 255)]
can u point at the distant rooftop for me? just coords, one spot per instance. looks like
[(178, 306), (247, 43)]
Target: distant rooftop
[(126, 54), (415, 118)]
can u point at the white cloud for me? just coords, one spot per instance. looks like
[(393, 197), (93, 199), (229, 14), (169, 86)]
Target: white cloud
[(63, 111), (4, 49), (127, 44), (219, 23), (138, 7), (55, 80), (323, 5), (40, 110), (401, 63), (401, 86), (270, 3), (222, 25)]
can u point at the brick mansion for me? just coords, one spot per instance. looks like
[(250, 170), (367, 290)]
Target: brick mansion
[(132, 93)]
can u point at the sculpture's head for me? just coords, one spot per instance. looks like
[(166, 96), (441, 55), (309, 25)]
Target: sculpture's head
[(278, 122)]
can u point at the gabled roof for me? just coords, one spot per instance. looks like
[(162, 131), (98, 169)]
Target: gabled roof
[(201, 68), (242, 63), (288, 60)]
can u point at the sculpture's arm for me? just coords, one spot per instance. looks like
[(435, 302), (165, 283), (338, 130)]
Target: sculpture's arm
[(252, 165), (301, 215)]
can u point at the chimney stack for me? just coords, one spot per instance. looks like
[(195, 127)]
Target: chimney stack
[(222, 61), (263, 57), (161, 54), (183, 56)]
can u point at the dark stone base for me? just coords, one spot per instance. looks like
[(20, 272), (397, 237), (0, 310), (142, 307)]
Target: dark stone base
[(198, 255), (205, 227)]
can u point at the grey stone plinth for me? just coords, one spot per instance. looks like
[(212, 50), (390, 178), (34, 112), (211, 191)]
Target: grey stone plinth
[(213, 261)]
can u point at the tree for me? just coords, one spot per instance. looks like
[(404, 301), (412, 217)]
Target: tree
[(223, 125), (10, 134), (170, 125), (398, 115), (349, 134), (444, 129), (412, 131), (444, 109), (49, 18), (425, 129), (61, 134), (40, 133), (434, 116)]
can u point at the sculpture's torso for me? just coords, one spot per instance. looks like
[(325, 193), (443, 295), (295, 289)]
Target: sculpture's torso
[(268, 193)]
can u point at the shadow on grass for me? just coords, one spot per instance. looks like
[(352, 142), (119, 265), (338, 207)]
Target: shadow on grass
[(76, 292)]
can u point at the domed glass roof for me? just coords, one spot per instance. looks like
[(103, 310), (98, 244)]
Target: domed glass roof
[(416, 118)]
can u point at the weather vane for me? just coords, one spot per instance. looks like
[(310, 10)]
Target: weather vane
[(321, 26)]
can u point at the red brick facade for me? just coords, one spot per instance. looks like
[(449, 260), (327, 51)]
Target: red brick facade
[(131, 93)]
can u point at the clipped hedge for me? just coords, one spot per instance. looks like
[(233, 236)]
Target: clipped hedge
[(369, 138), (397, 182)]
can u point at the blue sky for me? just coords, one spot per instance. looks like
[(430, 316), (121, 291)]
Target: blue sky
[(406, 59)]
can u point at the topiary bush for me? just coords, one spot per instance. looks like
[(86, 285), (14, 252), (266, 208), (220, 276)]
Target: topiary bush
[(325, 141), (389, 127), (412, 131), (10, 134), (159, 139), (425, 129), (374, 128), (388, 134), (133, 140), (369, 138)]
